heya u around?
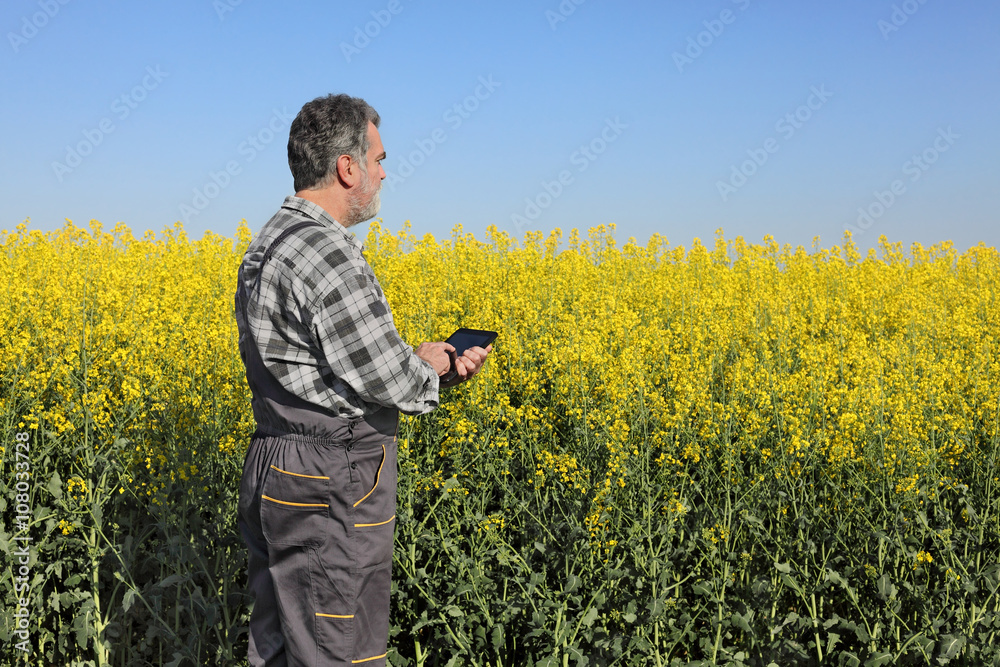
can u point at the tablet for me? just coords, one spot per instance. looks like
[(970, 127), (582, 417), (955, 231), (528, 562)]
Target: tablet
[(464, 338)]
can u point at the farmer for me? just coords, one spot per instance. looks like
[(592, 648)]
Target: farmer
[(328, 375)]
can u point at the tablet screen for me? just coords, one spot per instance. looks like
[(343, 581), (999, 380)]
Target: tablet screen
[(463, 339)]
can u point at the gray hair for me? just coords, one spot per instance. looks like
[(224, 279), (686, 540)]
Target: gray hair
[(325, 129)]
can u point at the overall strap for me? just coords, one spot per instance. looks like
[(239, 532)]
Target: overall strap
[(274, 406), (281, 237)]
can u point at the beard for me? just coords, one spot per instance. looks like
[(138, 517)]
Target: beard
[(365, 204)]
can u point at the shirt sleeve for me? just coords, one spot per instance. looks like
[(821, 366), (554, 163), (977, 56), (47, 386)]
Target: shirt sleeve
[(353, 326)]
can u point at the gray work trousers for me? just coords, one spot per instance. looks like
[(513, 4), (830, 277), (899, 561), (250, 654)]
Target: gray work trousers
[(317, 511)]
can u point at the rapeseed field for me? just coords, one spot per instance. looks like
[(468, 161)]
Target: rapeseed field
[(727, 454)]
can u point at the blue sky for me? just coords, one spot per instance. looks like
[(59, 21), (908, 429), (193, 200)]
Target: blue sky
[(794, 119)]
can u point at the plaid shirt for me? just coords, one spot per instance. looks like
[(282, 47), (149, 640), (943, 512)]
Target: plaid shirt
[(322, 324)]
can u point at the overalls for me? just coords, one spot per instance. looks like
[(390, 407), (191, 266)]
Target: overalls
[(317, 510)]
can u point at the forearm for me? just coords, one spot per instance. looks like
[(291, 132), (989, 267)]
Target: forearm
[(421, 394)]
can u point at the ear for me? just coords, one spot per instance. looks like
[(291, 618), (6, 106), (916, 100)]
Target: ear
[(347, 171)]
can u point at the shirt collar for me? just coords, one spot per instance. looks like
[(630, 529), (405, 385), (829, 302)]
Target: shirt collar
[(317, 213)]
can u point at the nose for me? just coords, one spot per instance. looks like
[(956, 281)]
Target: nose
[(381, 172)]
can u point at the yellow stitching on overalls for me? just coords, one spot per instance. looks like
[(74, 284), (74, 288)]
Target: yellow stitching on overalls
[(370, 525), (374, 657), (335, 615), (298, 474), (285, 502), (378, 476)]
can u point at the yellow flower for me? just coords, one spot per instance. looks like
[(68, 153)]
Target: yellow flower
[(620, 367)]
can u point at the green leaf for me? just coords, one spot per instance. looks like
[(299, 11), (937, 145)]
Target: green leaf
[(886, 590), (171, 580), (55, 486), (950, 647), (791, 583), (703, 588), (656, 608), (81, 629), (128, 600), (591, 616), (849, 659), (422, 622), (577, 654), (783, 567), (742, 624), (859, 631), (879, 659)]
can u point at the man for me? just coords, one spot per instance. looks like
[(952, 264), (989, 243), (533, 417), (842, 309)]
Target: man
[(328, 375)]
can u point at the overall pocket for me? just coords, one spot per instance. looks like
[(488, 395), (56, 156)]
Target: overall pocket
[(374, 516), (294, 507)]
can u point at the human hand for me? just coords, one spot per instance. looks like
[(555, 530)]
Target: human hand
[(436, 354), (469, 364)]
